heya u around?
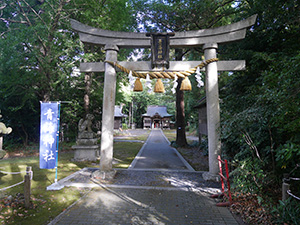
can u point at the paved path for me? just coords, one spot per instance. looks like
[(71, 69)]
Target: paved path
[(138, 206), (147, 194), (158, 154)]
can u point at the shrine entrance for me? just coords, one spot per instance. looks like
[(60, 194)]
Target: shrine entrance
[(157, 123), (209, 39)]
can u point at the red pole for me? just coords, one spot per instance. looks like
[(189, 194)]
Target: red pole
[(221, 173)]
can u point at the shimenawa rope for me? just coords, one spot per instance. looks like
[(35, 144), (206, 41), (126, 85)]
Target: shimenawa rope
[(164, 74)]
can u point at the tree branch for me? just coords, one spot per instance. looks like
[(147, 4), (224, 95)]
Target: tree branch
[(249, 142), (14, 21), (33, 10)]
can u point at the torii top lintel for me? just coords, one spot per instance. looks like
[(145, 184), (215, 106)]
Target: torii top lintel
[(224, 34)]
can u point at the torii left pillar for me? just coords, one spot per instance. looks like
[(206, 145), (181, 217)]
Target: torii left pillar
[(109, 94), (213, 111)]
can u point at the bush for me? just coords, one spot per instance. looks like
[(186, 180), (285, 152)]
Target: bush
[(249, 176), (124, 126), (204, 146), (287, 157), (287, 212)]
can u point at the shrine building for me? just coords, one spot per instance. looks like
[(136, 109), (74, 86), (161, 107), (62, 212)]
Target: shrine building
[(118, 117), (156, 117)]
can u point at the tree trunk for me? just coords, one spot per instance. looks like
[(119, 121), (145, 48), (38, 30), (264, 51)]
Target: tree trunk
[(180, 116)]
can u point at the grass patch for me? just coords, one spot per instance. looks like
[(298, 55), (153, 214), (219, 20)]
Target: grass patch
[(46, 205), (137, 134), (170, 134), (125, 152), (143, 137)]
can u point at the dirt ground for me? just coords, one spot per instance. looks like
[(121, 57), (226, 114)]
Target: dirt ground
[(195, 158)]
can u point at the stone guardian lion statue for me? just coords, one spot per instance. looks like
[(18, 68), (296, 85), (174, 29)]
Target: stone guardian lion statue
[(86, 124)]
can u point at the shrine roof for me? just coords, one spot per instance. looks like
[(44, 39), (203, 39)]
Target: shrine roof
[(118, 111), (157, 110)]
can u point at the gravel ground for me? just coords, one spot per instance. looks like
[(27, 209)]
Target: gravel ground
[(143, 178)]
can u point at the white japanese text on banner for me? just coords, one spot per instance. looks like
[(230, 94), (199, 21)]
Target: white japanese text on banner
[(48, 135)]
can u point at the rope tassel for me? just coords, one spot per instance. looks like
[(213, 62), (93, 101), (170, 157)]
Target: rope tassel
[(138, 85), (186, 85), (159, 86)]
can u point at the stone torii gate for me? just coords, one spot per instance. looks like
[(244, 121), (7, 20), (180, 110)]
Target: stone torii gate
[(208, 38)]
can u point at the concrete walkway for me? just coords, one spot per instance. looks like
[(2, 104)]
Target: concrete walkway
[(157, 153), (154, 193)]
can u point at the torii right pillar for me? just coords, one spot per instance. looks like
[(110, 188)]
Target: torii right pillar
[(213, 111)]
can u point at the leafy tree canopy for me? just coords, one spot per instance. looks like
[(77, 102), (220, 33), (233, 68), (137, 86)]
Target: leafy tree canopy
[(39, 54)]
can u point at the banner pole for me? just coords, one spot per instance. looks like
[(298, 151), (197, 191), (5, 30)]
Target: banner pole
[(57, 142)]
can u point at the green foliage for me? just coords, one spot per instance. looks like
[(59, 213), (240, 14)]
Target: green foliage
[(204, 146), (260, 106), (39, 54), (287, 212), (105, 14), (249, 176), (124, 126), (287, 156), (183, 15)]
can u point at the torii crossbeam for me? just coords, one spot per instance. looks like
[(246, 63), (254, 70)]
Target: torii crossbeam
[(207, 38)]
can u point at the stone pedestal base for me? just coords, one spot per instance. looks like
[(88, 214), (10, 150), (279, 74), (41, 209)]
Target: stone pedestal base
[(104, 175), (86, 153), (87, 142), (211, 177)]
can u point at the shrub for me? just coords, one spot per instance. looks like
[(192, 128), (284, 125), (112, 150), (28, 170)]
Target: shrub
[(249, 176), (287, 212), (287, 157)]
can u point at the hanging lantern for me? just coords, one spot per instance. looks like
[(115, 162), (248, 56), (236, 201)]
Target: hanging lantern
[(159, 86), (138, 85), (186, 85)]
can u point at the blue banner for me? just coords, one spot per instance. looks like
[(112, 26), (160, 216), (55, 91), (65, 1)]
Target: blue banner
[(48, 135)]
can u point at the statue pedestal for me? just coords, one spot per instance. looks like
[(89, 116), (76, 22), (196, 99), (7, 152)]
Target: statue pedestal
[(86, 148), (86, 153)]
